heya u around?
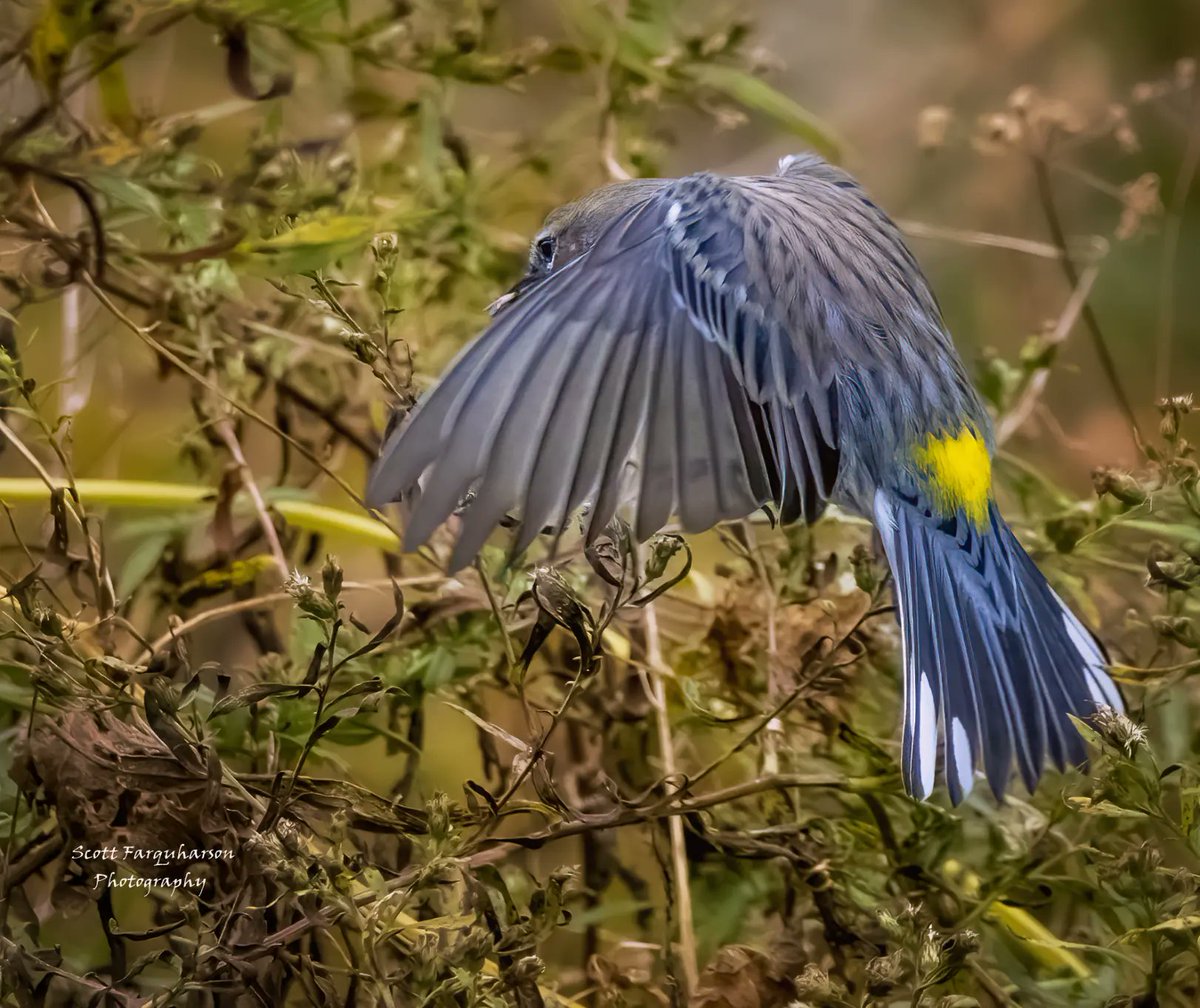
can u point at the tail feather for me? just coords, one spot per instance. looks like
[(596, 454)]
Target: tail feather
[(994, 662)]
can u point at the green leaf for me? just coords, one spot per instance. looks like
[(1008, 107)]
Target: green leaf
[(760, 97), (307, 247), (1088, 806), (633, 48), (1189, 802), (293, 14), (1189, 922), (141, 562), (494, 730), (124, 192), (18, 695), (367, 687), (254, 693)]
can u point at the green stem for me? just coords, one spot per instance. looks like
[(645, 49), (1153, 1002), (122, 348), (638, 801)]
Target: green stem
[(146, 494)]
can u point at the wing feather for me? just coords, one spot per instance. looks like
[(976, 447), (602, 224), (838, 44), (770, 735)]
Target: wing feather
[(656, 497), (650, 351), (578, 436)]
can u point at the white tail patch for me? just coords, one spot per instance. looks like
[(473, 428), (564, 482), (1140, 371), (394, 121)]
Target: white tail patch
[(960, 745), (926, 735)]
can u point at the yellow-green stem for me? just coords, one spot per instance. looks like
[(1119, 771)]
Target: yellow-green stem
[(146, 494)]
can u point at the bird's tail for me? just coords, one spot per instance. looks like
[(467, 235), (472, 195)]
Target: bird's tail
[(993, 660)]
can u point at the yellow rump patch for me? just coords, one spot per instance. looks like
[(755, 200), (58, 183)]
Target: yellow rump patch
[(959, 473)]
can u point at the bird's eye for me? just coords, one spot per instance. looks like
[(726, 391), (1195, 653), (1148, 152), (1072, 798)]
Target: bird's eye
[(545, 249)]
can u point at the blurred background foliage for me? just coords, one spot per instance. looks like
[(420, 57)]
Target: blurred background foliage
[(236, 234)]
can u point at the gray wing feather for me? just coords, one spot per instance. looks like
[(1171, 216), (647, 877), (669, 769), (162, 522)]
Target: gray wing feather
[(396, 471), (657, 463), (698, 476), (579, 434), (652, 347), (740, 485), (521, 432)]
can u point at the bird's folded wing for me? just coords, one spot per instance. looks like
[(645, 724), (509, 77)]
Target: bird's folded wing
[(638, 352)]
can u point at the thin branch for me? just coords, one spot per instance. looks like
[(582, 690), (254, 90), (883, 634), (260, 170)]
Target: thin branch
[(144, 334), (229, 436), (265, 601), (12, 438), (1172, 231), (39, 115), (8, 880), (679, 859), (1014, 419), (960, 236), (1045, 189), (327, 414), (674, 806), (609, 139), (494, 603), (82, 193)]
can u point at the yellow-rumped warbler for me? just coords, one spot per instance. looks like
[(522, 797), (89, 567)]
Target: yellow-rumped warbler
[(706, 346)]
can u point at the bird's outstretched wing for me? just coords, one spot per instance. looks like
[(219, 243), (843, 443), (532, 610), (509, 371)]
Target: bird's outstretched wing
[(659, 346)]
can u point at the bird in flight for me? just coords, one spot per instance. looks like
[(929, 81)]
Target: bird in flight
[(706, 346)]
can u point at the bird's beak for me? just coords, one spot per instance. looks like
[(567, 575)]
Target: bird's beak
[(513, 293), (501, 301)]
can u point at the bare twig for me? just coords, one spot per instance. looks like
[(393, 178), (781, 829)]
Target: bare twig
[(609, 140), (995, 991), (494, 603), (166, 353), (265, 601), (7, 880), (229, 436), (84, 196), (1041, 172), (1170, 247), (11, 436), (679, 860), (960, 236), (1021, 410), (674, 805), (44, 111)]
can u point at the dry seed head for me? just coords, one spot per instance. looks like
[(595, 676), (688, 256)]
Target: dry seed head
[(1119, 730), (815, 982), (933, 122), (884, 973)]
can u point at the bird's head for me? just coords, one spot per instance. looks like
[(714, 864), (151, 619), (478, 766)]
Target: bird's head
[(572, 229)]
